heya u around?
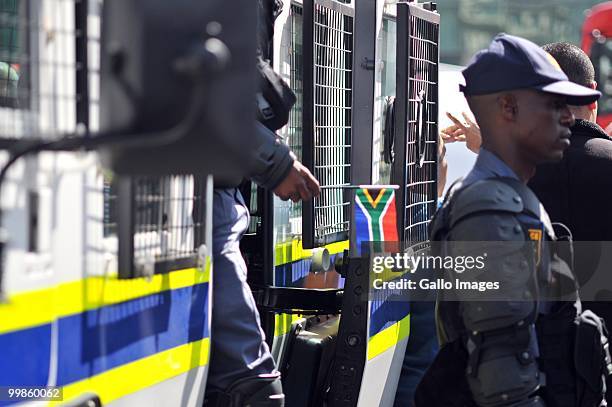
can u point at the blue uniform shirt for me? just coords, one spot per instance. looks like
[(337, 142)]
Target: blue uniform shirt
[(488, 165)]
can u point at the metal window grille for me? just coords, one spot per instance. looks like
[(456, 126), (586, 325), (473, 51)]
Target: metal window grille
[(287, 214), (293, 133), (160, 223), (49, 83), (329, 53), (416, 120), (40, 63)]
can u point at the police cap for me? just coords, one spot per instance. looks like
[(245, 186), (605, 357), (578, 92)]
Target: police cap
[(512, 62)]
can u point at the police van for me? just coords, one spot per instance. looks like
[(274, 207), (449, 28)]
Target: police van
[(117, 117)]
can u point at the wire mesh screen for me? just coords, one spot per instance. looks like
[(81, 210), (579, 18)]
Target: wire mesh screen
[(332, 81), (420, 34), (296, 80), (38, 66), (422, 129), (168, 222), (287, 214)]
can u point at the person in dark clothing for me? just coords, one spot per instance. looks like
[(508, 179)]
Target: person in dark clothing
[(514, 347), (574, 189)]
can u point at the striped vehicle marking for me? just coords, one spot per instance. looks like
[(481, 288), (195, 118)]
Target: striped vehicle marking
[(38, 307), (388, 337), (283, 322), (145, 372), (106, 338), (292, 251)]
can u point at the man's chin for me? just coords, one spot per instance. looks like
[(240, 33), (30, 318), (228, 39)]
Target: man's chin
[(557, 156), (553, 157)]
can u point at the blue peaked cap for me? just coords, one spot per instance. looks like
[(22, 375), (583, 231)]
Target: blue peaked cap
[(513, 62)]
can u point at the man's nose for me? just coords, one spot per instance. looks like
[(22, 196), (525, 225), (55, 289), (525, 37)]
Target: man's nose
[(567, 117)]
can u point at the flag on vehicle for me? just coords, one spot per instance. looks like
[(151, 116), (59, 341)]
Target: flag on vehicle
[(375, 216)]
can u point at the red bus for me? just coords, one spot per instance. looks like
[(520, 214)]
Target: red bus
[(597, 43)]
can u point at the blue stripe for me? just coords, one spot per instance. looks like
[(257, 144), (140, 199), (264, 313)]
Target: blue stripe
[(24, 357), (362, 229), (95, 341), (386, 313), (386, 308)]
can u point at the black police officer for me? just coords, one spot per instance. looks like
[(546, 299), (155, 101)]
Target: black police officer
[(519, 349)]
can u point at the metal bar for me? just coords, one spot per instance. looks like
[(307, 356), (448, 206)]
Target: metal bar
[(267, 220), (401, 113), (308, 62), (125, 226), (364, 41), (342, 8), (82, 71), (421, 13)]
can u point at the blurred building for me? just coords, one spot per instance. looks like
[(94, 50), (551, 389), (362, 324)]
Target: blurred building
[(469, 25)]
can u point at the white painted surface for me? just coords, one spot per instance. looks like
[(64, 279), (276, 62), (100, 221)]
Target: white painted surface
[(380, 377)]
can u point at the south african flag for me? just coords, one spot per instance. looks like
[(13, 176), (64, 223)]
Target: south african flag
[(375, 218)]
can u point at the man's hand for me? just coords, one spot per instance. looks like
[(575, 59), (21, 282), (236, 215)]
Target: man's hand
[(298, 185), (468, 132)]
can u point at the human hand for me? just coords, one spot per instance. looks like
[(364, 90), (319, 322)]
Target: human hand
[(467, 132), (298, 185)]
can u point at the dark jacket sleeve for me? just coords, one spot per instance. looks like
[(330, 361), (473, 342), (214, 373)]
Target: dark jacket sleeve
[(274, 158)]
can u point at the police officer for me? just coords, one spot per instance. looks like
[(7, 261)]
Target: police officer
[(242, 370), (518, 350)]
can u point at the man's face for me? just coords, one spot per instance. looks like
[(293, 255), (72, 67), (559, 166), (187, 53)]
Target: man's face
[(543, 120)]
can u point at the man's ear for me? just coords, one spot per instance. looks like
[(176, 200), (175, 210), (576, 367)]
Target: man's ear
[(508, 106)]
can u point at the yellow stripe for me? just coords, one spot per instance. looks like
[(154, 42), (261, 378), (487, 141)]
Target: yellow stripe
[(283, 322), (292, 251), (369, 197), (388, 337), (43, 306), (129, 378)]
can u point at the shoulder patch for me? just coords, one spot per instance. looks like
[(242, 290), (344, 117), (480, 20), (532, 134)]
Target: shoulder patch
[(535, 235)]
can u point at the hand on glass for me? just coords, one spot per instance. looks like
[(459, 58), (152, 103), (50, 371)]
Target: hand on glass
[(467, 132), (298, 185)]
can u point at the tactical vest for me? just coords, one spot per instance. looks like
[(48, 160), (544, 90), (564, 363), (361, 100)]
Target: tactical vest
[(573, 345)]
